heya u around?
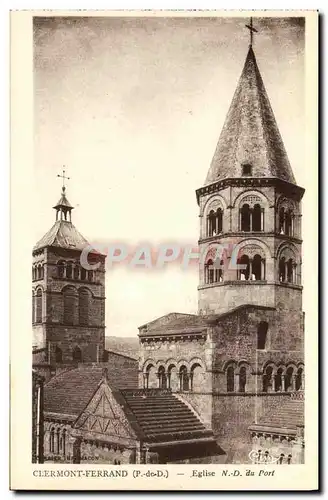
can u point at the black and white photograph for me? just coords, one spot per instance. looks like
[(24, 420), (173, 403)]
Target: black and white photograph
[(172, 266)]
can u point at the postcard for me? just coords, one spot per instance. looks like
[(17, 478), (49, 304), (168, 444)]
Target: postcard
[(164, 209)]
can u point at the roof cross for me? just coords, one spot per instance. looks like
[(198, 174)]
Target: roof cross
[(251, 31), (63, 177)]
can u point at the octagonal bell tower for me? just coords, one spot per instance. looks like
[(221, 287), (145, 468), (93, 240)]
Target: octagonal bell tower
[(250, 210)]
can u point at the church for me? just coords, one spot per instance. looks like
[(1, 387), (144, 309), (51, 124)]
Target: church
[(212, 387)]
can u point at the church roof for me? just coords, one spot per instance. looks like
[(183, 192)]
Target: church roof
[(62, 234), (157, 416), (250, 133), (180, 323), (69, 392)]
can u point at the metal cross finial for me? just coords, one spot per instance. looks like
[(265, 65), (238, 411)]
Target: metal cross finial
[(63, 177), (251, 31)]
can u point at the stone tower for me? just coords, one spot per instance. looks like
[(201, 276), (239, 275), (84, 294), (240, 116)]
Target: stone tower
[(239, 363), (68, 312), (250, 290), (250, 208)]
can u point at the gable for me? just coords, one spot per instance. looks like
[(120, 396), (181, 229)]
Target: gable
[(104, 419)]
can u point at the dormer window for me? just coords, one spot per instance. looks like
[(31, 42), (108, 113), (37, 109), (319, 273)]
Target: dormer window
[(247, 169)]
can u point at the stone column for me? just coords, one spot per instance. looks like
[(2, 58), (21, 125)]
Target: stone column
[(282, 383), (272, 387), (294, 382), (250, 269)]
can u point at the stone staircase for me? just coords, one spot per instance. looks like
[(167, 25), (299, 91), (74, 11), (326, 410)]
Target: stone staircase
[(162, 417)]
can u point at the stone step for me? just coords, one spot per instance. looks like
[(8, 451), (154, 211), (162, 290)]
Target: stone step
[(173, 428), (169, 417), (157, 404)]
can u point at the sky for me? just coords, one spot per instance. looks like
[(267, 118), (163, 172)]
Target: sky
[(134, 107)]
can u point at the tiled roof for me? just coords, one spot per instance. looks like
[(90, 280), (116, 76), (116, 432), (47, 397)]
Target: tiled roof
[(63, 234), (70, 391), (250, 133), (190, 323), (162, 417), (182, 323), (288, 415)]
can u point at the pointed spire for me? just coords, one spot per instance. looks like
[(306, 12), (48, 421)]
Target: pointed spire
[(250, 136)]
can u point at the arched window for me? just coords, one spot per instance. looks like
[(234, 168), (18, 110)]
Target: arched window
[(262, 331), (184, 379), (69, 270), (267, 379), (278, 381), (77, 355), (196, 378), (230, 379), (257, 218), (83, 274), (150, 379), (162, 377), (84, 299), (242, 379), (299, 380), (59, 355), (245, 218), (38, 308), (282, 269), (244, 272), (90, 275), (61, 269), (289, 379), (214, 222), (52, 441), (70, 305)]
